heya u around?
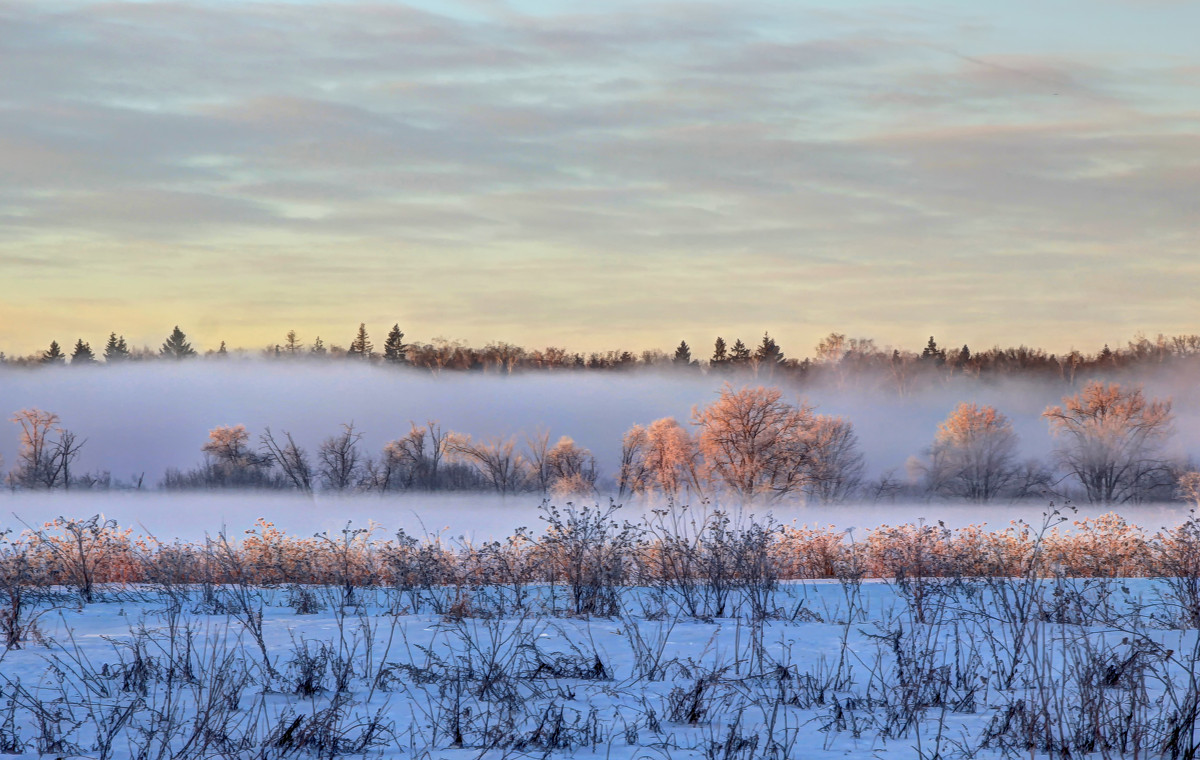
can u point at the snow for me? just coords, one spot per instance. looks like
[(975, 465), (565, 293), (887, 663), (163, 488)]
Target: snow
[(824, 677)]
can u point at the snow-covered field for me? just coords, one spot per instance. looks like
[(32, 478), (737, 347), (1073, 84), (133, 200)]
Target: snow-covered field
[(842, 668)]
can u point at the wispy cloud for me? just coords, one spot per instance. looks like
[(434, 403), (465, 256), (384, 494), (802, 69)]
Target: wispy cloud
[(645, 171)]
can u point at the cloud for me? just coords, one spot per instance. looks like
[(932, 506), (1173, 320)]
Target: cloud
[(466, 149)]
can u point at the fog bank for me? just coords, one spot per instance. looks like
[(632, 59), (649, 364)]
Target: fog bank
[(147, 418)]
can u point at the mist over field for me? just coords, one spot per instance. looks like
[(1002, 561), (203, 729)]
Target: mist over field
[(478, 517), (148, 418)]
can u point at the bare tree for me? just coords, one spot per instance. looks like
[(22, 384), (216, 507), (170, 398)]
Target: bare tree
[(538, 444), (413, 460), (835, 466), (290, 458), (632, 476), (340, 459), (973, 455), (496, 460), (1111, 440)]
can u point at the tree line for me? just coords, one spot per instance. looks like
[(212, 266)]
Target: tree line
[(749, 444), (839, 360)]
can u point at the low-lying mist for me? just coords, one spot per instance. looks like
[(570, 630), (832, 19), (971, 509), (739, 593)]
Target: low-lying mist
[(485, 517), (144, 419)]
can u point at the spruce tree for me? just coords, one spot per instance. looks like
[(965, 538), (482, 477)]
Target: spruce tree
[(394, 349), (116, 350), (768, 353), (54, 354), (932, 353), (318, 347), (82, 354), (964, 356), (361, 347), (739, 354), (720, 353), (176, 346), (683, 355)]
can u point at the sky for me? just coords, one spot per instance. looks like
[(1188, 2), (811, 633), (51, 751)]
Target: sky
[(599, 175)]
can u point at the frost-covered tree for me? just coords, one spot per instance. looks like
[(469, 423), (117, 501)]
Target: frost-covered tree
[(1111, 440), (176, 346), (973, 455), (46, 452), (571, 468), (753, 442), (497, 460), (670, 458), (229, 462)]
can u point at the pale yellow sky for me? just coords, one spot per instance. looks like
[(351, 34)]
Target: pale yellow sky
[(624, 177)]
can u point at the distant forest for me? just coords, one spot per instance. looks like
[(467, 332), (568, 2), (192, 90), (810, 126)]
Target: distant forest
[(839, 359)]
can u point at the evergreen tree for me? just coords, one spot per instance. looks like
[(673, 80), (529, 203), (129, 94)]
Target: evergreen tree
[(683, 355), (963, 358), (82, 354), (176, 346), (318, 347), (361, 347), (1106, 355), (720, 357), (116, 350), (932, 353), (739, 354), (222, 351), (291, 343), (768, 353), (54, 354), (394, 349)]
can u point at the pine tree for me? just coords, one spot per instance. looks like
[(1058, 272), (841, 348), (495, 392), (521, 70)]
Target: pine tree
[(222, 351), (394, 349), (318, 347), (116, 350), (82, 354), (54, 354), (291, 343), (176, 346), (361, 347), (683, 355)]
